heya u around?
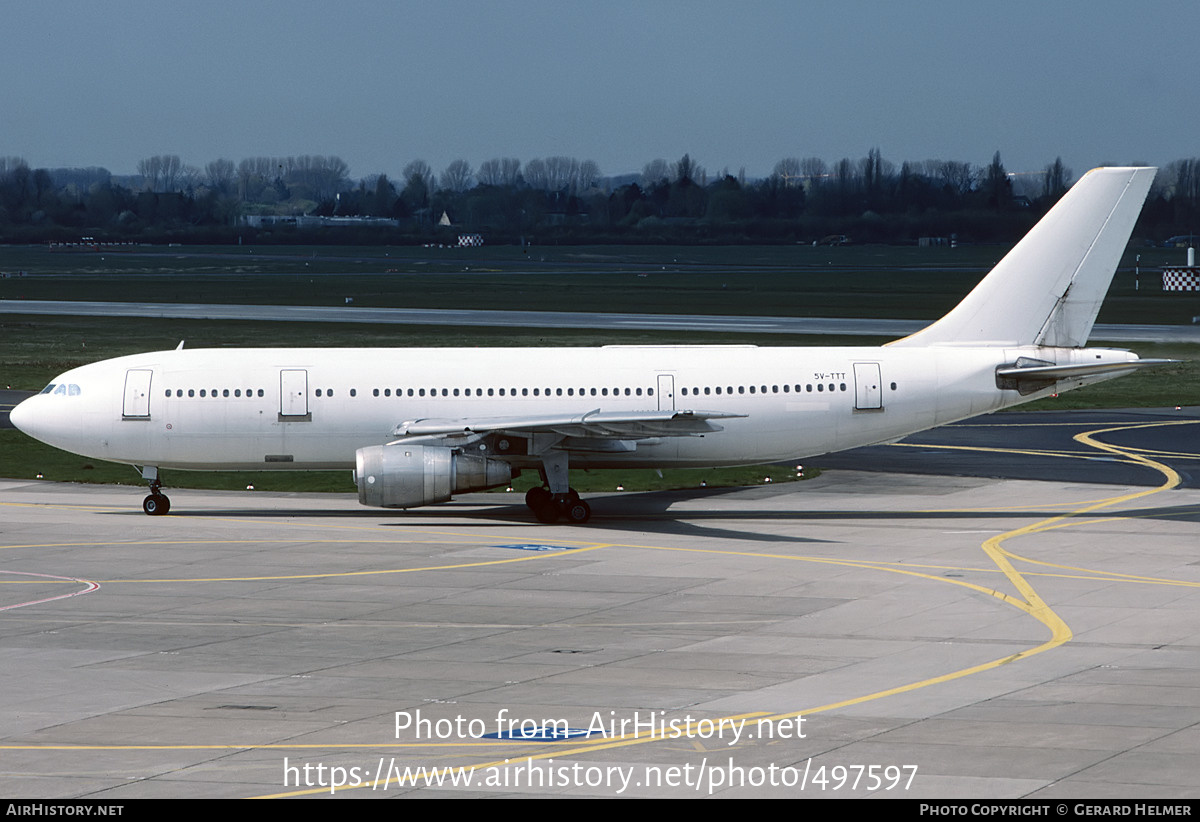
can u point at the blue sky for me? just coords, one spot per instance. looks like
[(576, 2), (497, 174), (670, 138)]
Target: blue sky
[(621, 83)]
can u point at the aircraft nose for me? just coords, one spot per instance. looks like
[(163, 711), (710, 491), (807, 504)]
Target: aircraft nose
[(22, 415)]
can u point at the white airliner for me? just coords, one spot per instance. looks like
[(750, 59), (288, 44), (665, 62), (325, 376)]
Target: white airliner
[(417, 425)]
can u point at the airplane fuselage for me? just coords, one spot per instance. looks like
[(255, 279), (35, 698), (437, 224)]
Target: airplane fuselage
[(278, 409)]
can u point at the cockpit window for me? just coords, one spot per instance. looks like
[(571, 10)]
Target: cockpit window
[(62, 389)]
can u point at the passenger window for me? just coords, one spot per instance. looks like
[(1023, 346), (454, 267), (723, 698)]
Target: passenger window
[(191, 392), (237, 392), (375, 392), (224, 392), (202, 392), (260, 392), (354, 392)]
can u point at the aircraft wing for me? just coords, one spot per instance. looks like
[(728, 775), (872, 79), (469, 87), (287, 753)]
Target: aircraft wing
[(596, 424)]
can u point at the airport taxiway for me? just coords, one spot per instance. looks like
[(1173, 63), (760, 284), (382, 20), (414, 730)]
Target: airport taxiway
[(988, 637), (544, 319)]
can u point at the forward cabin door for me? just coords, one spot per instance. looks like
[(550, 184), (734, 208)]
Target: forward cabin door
[(137, 394)]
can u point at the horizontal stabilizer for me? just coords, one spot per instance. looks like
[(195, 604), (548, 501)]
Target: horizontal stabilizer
[(1064, 372)]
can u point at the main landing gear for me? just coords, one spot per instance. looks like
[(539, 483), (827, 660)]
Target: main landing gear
[(549, 508), (157, 503)]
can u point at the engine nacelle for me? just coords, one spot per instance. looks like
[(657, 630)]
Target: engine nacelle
[(405, 476)]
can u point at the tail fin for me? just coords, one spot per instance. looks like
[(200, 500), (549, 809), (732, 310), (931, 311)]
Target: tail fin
[(1048, 289)]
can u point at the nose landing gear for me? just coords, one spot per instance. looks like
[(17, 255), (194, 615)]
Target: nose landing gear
[(157, 503)]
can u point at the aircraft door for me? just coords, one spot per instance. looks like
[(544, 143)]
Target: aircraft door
[(666, 392), (868, 387), (137, 394), (293, 395)]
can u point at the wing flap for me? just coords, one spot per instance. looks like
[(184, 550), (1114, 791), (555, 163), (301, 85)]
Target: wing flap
[(596, 424)]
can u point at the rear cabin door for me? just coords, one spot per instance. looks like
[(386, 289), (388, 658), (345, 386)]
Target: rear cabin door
[(137, 394), (868, 388)]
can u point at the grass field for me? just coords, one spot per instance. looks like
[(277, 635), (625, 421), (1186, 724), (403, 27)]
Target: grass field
[(905, 283), (799, 281)]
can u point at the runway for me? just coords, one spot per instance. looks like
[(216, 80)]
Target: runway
[(544, 319), (941, 637)]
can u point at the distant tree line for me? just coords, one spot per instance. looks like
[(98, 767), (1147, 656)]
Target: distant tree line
[(560, 199)]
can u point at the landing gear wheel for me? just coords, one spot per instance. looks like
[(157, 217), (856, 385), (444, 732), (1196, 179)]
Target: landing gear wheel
[(537, 496), (156, 505), (547, 512), (578, 512)]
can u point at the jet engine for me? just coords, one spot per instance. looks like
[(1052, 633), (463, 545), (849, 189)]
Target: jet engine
[(405, 476)]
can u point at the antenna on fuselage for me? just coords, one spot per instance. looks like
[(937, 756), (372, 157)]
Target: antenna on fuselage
[(180, 346)]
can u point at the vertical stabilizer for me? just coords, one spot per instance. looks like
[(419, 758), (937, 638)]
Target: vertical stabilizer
[(1048, 289)]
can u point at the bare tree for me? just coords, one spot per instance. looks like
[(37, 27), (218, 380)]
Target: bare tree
[(562, 173), (161, 172), (502, 171), (421, 170), (589, 174), (536, 175), (788, 172), (686, 170), (654, 172), (457, 176), (219, 175), (958, 177), (1055, 180)]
